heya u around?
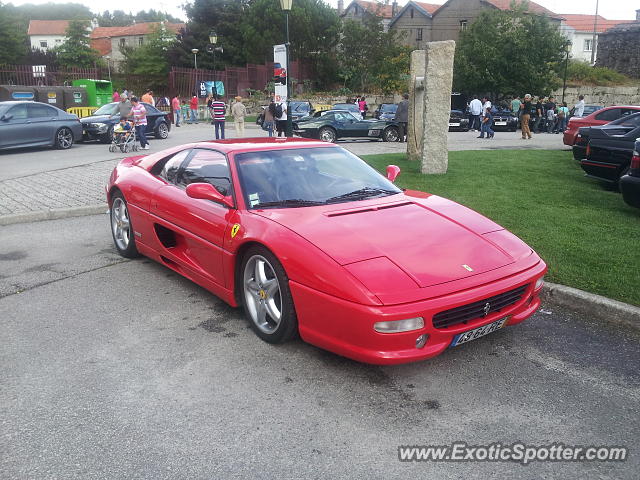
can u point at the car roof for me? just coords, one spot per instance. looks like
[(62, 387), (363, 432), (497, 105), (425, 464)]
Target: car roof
[(11, 103)]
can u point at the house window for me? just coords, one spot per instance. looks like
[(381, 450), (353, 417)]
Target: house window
[(140, 41), (418, 34), (411, 12), (463, 25), (58, 40), (588, 45), (43, 44), (122, 42)]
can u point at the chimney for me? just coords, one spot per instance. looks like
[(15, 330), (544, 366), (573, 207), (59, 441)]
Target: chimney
[(340, 7), (394, 8)]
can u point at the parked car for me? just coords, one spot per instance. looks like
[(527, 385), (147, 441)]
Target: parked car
[(331, 125), (597, 117), (99, 126), (630, 183), (458, 121), (351, 107), (504, 120), (610, 148), (311, 240), (34, 124), (299, 109), (385, 111)]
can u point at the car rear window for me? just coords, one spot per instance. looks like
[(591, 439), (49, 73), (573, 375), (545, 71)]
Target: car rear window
[(628, 121)]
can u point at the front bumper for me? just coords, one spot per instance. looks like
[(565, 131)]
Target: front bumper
[(630, 188), (346, 328)]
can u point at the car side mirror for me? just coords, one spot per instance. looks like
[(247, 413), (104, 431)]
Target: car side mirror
[(6, 117), (206, 191), (392, 172)]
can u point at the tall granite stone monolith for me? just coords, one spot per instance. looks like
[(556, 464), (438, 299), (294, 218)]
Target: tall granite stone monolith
[(429, 110)]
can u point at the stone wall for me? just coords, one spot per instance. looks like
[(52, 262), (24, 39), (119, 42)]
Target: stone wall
[(605, 96), (619, 49)]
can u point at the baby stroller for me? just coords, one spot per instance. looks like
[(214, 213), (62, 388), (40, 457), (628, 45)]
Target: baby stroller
[(123, 139)]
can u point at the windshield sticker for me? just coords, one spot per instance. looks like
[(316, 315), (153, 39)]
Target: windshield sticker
[(254, 199)]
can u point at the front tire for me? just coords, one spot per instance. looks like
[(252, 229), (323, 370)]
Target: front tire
[(162, 131), (391, 134), (327, 134), (121, 228), (266, 297), (64, 138)]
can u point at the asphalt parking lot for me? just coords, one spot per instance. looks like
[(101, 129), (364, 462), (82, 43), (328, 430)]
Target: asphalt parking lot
[(123, 369)]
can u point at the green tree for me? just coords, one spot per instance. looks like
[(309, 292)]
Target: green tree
[(509, 52), (13, 39), (76, 51), (151, 59)]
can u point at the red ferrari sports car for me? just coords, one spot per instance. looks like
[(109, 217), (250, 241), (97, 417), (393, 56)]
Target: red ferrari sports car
[(311, 240)]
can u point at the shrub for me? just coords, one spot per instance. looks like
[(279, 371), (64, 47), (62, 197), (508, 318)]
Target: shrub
[(582, 73)]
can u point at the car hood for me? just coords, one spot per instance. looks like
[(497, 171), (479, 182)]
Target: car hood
[(99, 119), (430, 246)]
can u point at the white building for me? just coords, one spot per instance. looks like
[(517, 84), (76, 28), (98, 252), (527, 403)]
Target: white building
[(579, 30), (47, 34)]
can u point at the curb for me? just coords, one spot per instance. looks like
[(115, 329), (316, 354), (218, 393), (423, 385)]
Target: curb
[(591, 305), (53, 214)]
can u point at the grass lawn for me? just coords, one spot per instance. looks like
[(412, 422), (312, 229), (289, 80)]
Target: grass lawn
[(585, 232)]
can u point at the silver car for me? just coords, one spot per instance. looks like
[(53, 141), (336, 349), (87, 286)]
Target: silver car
[(34, 124)]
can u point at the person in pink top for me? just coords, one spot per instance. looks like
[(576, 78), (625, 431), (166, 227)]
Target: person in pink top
[(175, 106), (139, 114), (116, 96), (362, 105)]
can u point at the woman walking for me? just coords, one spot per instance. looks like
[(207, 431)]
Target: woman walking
[(269, 118), (139, 114)]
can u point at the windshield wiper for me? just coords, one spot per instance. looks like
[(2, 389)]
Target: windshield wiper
[(363, 193), (290, 202)]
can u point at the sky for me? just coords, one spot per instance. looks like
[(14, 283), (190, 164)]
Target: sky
[(610, 9)]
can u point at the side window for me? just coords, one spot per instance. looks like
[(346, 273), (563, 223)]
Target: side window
[(609, 115), (628, 111), (39, 110), (169, 170), (19, 112), (207, 166)]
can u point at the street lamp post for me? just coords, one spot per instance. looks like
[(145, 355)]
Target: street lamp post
[(286, 6), (213, 39), (195, 67), (566, 64)]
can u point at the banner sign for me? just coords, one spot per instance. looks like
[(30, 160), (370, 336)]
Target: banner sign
[(208, 87), (280, 73)]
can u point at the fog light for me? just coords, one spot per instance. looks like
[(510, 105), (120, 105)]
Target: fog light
[(539, 284), (421, 341), (396, 326)]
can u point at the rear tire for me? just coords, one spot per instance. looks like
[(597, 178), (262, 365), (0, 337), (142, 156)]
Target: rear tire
[(63, 139), (391, 134), (327, 134), (162, 131)]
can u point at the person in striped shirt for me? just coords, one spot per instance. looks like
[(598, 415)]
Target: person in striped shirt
[(219, 113), (139, 114)]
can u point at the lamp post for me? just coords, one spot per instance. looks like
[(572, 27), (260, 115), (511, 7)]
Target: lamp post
[(286, 6), (195, 67), (566, 64), (213, 39)]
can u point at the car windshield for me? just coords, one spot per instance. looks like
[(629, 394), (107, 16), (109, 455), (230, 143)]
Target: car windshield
[(627, 121), (303, 177), (346, 106), (388, 108), (299, 107), (108, 109)]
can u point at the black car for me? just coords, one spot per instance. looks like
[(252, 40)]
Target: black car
[(504, 120), (630, 183), (458, 121), (334, 124), (609, 148), (99, 126), (299, 109), (386, 111)]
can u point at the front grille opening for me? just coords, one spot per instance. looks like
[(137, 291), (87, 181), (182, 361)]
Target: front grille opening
[(475, 310)]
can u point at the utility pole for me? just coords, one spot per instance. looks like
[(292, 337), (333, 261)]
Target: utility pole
[(593, 41)]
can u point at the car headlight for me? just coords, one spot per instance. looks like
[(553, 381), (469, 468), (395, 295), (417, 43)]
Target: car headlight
[(101, 127), (539, 284), (397, 326)]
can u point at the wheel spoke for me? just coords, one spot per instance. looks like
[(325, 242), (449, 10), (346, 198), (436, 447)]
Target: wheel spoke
[(260, 275), (253, 288), (271, 287), (261, 313), (273, 310)]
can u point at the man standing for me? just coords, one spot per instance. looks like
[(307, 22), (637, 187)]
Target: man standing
[(515, 106), (175, 106), (402, 116), (525, 107), (578, 110), (239, 111), (475, 109), (550, 106), (193, 108), (539, 115), (281, 119), (148, 98), (219, 110), (124, 107)]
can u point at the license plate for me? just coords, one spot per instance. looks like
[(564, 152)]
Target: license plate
[(478, 332), (454, 124), (374, 133), (501, 123)]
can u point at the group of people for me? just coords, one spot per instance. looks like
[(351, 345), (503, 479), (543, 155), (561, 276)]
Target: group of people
[(481, 117), (131, 109)]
